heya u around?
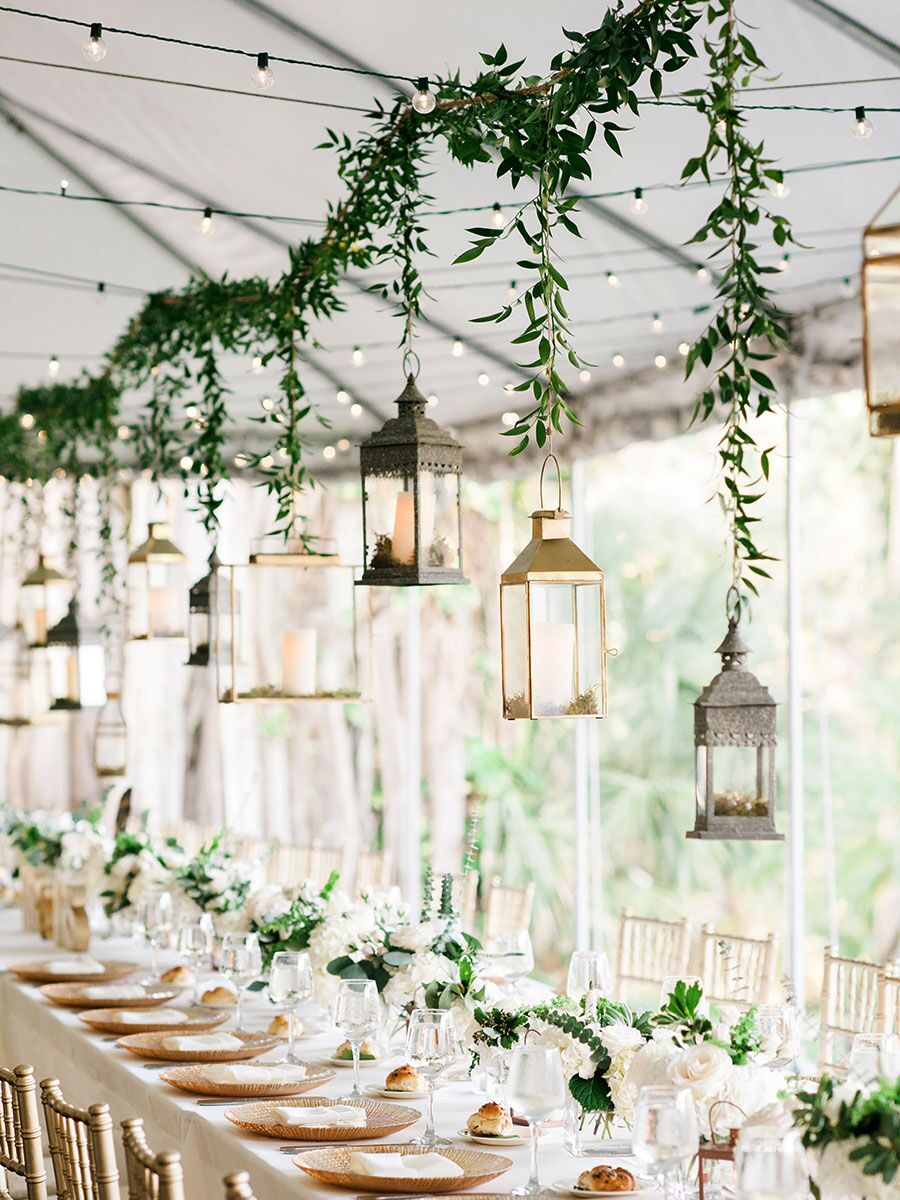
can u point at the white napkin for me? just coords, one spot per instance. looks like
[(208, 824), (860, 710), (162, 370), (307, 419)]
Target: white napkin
[(405, 1166), (324, 1115), (74, 966), (124, 991), (203, 1041), (155, 1016), (247, 1073)]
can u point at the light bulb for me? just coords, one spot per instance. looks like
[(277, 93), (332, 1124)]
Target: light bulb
[(618, 361), (53, 365), (342, 397), (684, 348), (484, 379), (101, 292), (703, 274), (343, 445), (123, 433), (862, 126), (660, 361), (584, 376), (424, 99), (63, 186), (657, 323), (512, 291), (192, 411), (267, 403), (256, 364), (784, 263), (639, 204), (206, 222), (355, 410), (498, 217), (262, 76), (780, 189), (266, 461), (613, 280), (510, 418), (329, 452), (186, 463), (241, 461), (26, 421), (94, 49), (458, 349), (282, 453), (433, 400), (359, 359)]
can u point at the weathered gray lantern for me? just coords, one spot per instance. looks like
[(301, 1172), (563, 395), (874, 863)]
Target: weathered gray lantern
[(209, 615), (735, 739), (77, 662), (412, 518)]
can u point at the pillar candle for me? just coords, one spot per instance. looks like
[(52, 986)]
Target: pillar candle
[(298, 662), (162, 612), (72, 689), (552, 667), (40, 626), (403, 541)]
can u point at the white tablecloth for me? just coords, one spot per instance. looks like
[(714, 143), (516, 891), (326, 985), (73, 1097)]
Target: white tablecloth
[(92, 1070)]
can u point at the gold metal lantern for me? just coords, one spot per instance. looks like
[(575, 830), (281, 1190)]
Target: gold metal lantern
[(44, 593), (290, 632), (880, 294), (77, 660), (157, 587), (111, 738), (553, 623), (25, 692)]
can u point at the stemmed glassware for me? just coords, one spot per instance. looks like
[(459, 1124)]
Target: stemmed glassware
[(241, 963), (290, 983), (432, 1046), (357, 1014), (589, 971), (537, 1089), (195, 943), (155, 917), (665, 1134), (770, 1166), (668, 986), (509, 956)]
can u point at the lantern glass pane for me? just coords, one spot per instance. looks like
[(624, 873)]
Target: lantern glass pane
[(111, 739), (390, 522), (882, 343), (554, 677), (438, 520), (42, 607), (739, 781), (77, 675), (513, 624), (589, 690), (157, 597), (25, 690)]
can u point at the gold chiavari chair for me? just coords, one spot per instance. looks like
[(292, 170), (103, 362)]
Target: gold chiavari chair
[(649, 950), (237, 1187), (325, 859), (738, 970), (150, 1176), (252, 848), (288, 865), (849, 1005), (81, 1146), (888, 1007), (507, 908), (373, 869), (23, 1174)]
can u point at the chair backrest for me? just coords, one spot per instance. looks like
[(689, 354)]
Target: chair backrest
[(888, 1015), (150, 1176), (82, 1147), (849, 1004), (237, 1187), (648, 950), (325, 859), (289, 865), (20, 1133), (252, 848), (738, 970), (465, 898), (373, 869), (507, 907)]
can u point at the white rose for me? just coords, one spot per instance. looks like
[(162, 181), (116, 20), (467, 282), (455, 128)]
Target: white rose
[(616, 1038), (267, 903), (650, 1066), (753, 1088), (776, 1117), (704, 1069), (412, 937)]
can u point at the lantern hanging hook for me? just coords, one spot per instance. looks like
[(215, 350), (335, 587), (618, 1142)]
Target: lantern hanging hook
[(733, 604), (552, 456), (411, 364)]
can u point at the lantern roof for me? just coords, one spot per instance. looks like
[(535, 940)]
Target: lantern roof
[(551, 556), (411, 441), (69, 631), (734, 709), (43, 575), (158, 548)]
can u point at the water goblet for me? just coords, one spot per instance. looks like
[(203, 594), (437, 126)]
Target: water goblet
[(589, 971), (290, 983), (665, 1134), (510, 955), (155, 916), (241, 963), (537, 1089), (432, 1046), (770, 1166), (357, 1014)]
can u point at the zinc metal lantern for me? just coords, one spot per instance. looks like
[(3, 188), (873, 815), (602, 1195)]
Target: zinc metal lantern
[(553, 624), (290, 630), (44, 593), (157, 588), (111, 738), (412, 516), (209, 614), (735, 738), (77, 662), (881, 318)]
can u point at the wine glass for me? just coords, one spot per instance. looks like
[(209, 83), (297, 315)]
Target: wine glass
[(431, 1047), (241, 963), (665, 1133), (770, 1166), (872, 1055), (195, 943), (537, 1089), (357, 1014), (290, 983), (589, 971), (778, 1022), (155, 916), (510, 955)]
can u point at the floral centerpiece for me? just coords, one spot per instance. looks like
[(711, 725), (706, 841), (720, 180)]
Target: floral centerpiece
[(139, 864), (285, 918), (38, 838), (216, 882)]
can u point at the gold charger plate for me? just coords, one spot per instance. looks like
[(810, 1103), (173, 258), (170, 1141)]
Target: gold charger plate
[(149, 1045), (103, 1020), (190, 1079), (36, 972), (382, 1120), (71, 995), (333, 1166)]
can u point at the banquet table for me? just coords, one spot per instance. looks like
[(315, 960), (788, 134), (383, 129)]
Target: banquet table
[(94, 1070)]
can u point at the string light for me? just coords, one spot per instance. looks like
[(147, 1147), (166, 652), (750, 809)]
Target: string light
[(26, 421), (359, 359), (509, 386), (484, 379), (343, 445), (283, 454), (784, 263), (355, 410), (206, 222), (63, 186), (498, 217), (862, 127), (510, 418), (657, 323), (584, 376), (424, 99), (618, 361), (329, 452), (101, 292), (780, 189), (262, 76), (684, 349), (123, 433), (613, 280), (458, 349), (267, 403), (639, 204), (512, 291), (703, 274), (266, 461), (660, 361), (186, 463), (94, 49), (342, 397), (192, 411), (256, 364), (433, 400), (241, 460), (53, 365)]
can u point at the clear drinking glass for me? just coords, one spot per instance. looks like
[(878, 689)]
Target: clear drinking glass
[(290, 983), (357, 1014), (241, 963), (770, 1166), (665, 1134), (432, 1046), (589, 971), (509, 956), (195, 943), (778, 1022), (155, 918), (668, 986), (537, 1089)]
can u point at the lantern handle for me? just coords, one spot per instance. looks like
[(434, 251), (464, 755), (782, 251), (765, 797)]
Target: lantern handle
[(410, 357), (552, 456), (733, 604)]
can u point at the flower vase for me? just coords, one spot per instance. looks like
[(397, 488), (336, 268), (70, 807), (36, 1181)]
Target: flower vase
[(31, 880), (588, 1133)]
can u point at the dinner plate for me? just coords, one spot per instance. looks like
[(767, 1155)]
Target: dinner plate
[(72, 995), (644, 1188), (382, 1120), (150, 1045), (333, 1166), (36, 972), (510, 1139), (333, 1061), (381, 1093), (104, 1020), (190, 1079)]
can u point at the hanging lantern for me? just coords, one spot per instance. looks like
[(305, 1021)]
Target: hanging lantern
[(209, 616), (111, 738), (77, 662), (157, 587), (412, 517), (735, 739), (553, 623), (881, 318), (296, 639), (44, 593), (25, 693)]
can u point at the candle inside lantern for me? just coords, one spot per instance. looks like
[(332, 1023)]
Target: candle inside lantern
[(40, 626), (552, 667), (73, 691), (403, 541), (162, 612), (298, 662)]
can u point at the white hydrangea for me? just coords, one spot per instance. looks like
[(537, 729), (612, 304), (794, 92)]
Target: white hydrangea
[(576, 1056), (837, 1176)]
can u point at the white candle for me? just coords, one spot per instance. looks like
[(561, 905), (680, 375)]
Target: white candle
[(552, 667), (40, 626), (162, 612), (403, 541), (298, 662)]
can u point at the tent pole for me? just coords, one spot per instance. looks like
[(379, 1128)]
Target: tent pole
[(583, 743), (796, 805)]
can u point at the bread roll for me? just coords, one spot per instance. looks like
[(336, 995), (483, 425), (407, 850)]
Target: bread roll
[(367, 1051), (404, 1079), (607, 1179), (280, 1027), (491, 1120), (179, 976), (219, 997)]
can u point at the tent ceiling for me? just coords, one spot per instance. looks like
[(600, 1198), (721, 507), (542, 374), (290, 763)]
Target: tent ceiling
[(147, 141)]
